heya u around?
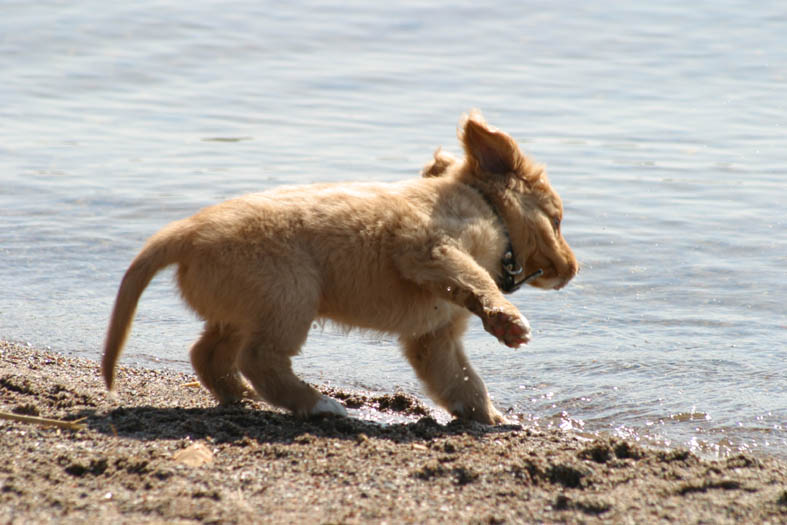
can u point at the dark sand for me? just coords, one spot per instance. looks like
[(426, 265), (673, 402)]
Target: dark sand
[(261, 465)]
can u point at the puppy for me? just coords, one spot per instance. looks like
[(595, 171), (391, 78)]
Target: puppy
[(413, 259)]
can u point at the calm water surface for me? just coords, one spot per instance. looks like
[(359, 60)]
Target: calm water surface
[(663, 127)]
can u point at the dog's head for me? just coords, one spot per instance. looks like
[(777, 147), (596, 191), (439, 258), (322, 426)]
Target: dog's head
[(521, 192)]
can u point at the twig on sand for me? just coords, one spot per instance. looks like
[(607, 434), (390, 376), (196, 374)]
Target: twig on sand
[(43, 421)]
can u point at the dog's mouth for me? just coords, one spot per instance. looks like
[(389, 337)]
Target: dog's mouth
[(532, 277), (551, 281), (545, 279), (510, 281), (511, 284)]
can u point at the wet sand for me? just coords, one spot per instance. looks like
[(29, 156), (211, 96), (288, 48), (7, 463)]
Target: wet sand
[(161, 451)]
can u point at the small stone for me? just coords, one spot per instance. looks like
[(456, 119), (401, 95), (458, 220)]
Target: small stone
[(195, 455)]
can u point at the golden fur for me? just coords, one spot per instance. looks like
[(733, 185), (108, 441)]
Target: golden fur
[(412, 259)]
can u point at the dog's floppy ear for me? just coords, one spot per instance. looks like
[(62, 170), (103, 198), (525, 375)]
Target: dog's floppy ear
[(441, 162), (486, 148)]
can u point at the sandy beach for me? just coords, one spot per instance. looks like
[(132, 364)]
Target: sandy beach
[(161, 451)]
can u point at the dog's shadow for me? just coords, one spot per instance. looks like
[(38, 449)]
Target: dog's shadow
[(241, 424)]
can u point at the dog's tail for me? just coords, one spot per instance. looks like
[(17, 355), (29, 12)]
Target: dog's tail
[(163, 249)]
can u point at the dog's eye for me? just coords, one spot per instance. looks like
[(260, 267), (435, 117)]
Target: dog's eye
[(556, 223)]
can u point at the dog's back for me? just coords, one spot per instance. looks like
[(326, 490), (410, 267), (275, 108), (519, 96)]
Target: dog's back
[(341, 246)]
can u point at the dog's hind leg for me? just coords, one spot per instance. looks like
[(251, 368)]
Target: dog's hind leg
[(270, 371), (440, 362), (265, 359), (214, 357)]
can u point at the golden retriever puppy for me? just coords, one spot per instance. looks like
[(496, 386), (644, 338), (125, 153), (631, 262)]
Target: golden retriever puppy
[(413, 259)]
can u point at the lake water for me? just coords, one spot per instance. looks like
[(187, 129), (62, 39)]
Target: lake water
[(662, 125)]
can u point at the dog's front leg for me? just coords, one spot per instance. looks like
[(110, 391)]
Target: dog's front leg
[(441, 364), (454, 276)]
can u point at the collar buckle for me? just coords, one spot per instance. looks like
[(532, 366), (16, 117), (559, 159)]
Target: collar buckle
[(510, 265), (511, 268)]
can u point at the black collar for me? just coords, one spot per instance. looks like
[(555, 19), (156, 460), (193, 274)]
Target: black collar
[(510, 267)]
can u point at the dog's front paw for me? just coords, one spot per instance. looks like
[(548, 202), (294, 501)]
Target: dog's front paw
[(486, 414), (511, 328)]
